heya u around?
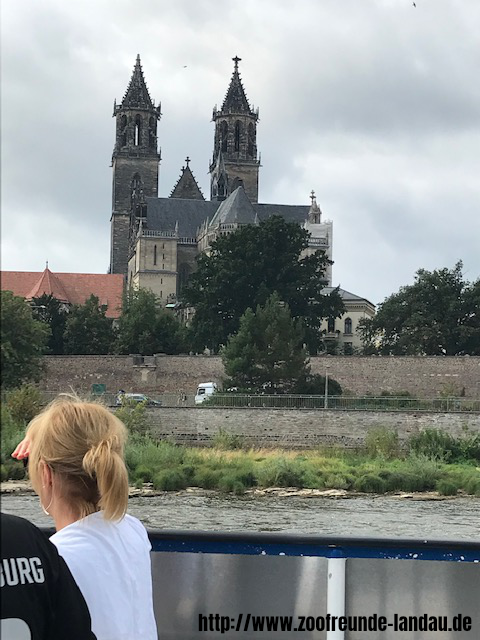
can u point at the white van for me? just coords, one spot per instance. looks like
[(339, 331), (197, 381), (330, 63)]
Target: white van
[(204, 391)]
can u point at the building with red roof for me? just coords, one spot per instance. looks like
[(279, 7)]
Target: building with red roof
[(69, 288)]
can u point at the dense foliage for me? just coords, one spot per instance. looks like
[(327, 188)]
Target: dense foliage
[(53, 313), (267, 354), (146, 327), (88, 331), (23, 341), (438, 315), (247, 266)]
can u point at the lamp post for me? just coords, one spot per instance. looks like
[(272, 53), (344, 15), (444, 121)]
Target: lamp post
[(326, 388)]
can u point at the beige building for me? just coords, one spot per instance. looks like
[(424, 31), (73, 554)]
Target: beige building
[(340, 334)]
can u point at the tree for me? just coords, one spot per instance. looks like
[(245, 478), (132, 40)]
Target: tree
[(267, 353), (245, 267), (23, 341), (48, 309), (437, 315), (88, 331), (146, 327)]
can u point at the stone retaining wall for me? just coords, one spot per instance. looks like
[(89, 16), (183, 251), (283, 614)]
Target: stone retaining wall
[(297, 428), (421, 376)]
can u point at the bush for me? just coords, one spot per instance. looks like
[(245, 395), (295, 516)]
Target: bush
[(472, 486), (281, 472), (439, 445), (426, 471), (170, 480), (24, 403), (227, 441), (231, 483), (134, 417), (447, 488), (206, 478), (383, 442), (370, 483), (143, 473)]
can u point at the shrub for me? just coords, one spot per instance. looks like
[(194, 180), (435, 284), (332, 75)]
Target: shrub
[(206, 478), (143, 473), (281, 472), (383, 442), (170, 480), (24, 403), (447, 488), (134, 417), (426, 471), (231, 483), (439, 445), (472, 486), (226, 440), (370, 483)]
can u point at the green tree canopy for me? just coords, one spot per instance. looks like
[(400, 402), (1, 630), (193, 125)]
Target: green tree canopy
[(88, 331), (437, 315), (267, 353), (245, 267), (146, 327), (54, 313), (23, 341)]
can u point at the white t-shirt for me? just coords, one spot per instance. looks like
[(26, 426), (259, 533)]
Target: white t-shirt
[(110, 561)]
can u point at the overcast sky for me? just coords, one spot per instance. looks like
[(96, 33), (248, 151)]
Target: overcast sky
[(374, 104)]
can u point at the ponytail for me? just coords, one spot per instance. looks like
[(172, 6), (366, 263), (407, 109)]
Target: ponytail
[(103, 462)]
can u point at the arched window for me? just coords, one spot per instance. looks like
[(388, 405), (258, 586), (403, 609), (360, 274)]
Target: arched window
[(238, 132), (251, 140), (184, 272), (154, 254), (348, 325), (138, 130), (136, 188), (152, 132), (123, 130), (223, 135), (331, 325), (221, 186)]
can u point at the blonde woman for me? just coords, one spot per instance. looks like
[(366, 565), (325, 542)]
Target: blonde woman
[(76, 465)]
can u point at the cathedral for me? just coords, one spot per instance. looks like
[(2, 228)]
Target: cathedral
[(155, 240)]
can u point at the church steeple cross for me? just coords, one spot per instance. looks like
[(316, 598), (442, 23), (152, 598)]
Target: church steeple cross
[(236, 60), (187, 160), (312, 196)]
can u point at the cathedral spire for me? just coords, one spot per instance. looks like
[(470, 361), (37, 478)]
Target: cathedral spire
[(236, 100), (137, 95)]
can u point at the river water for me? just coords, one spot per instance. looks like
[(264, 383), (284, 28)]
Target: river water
[(376, 516)]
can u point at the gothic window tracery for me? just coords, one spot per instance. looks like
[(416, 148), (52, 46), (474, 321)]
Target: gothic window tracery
[(251, 140), (123, 130), (238, 132), (138, 130), (224, 135)]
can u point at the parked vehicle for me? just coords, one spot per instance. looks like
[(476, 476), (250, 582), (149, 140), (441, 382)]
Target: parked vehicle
[(137, 398), (204, 391)]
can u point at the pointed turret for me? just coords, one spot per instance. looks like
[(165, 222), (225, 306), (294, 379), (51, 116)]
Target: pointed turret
[(48, 284), (137, 95), (235, 100), (187, 187), (314, 213), (236, 140)]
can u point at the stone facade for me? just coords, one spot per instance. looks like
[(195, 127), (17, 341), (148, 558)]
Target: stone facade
[(424, 377), (297, 429)]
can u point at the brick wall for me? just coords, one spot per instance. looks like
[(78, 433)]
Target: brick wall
[(297, 429), (421, 376)]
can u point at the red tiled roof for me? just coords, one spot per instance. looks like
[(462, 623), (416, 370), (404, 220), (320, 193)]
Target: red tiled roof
[(73, 288)]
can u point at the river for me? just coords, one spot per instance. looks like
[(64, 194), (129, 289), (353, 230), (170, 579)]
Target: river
[(380, 516)]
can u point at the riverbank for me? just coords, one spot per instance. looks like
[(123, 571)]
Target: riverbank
[(23, 487)]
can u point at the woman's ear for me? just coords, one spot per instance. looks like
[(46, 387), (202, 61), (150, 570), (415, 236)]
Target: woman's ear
[(46, 474)]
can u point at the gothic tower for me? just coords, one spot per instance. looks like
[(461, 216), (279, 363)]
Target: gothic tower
[(234, 161), (135, 162)]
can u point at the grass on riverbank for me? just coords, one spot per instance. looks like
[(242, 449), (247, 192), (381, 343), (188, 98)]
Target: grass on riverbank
[(172, 468)]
